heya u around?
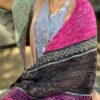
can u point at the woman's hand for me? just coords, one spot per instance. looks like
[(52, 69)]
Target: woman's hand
[(6, 4)]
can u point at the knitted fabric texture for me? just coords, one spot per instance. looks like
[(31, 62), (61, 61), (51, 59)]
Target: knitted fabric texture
[(80, 26), (69, 63), (17, 94), (21, 13)]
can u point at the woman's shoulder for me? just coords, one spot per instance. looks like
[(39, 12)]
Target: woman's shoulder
[(37, 5)]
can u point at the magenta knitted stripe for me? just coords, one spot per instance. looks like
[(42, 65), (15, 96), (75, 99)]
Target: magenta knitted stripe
[(79, 27)]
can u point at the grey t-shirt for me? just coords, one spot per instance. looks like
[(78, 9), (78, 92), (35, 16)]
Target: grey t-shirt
[(48, 25)]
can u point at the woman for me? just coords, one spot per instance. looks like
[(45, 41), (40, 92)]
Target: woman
[(63, 47)]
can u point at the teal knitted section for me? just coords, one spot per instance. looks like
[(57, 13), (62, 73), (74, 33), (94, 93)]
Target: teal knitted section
[(21, 11)]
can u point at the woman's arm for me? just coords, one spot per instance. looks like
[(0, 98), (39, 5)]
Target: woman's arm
[(6, 4)]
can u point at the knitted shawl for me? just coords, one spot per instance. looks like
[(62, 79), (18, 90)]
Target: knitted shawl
[(69, 63)]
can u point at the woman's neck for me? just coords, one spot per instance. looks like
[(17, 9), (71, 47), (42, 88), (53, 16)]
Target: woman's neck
[(55, 5)]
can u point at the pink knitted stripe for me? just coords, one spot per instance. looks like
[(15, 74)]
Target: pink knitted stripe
[(79, 27)]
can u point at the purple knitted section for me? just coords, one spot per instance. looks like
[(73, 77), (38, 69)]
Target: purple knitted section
[(79, 27), (16, 94)]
